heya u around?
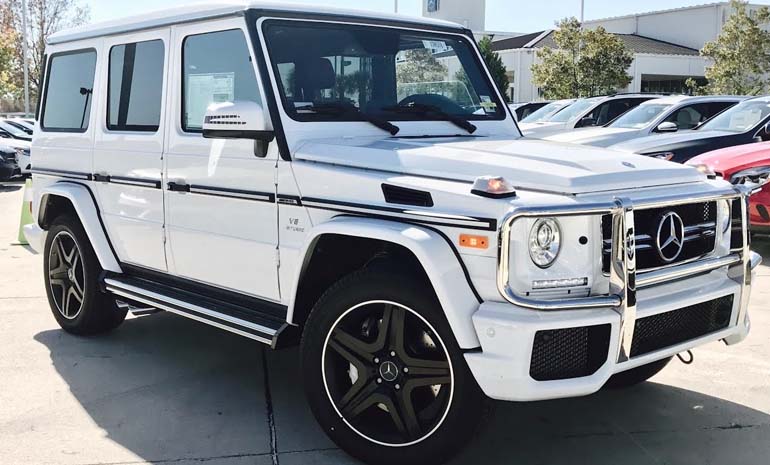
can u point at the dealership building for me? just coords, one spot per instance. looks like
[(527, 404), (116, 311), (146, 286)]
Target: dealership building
[(664, 44)]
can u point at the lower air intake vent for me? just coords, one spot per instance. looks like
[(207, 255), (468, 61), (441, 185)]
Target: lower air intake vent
[(405, 196), (675, 327), (569, 352)]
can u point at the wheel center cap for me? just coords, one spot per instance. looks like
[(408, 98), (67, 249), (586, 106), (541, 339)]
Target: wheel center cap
[(388, 371), (71, 274)]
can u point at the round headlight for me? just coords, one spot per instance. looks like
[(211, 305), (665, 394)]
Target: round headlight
[(544, 242)]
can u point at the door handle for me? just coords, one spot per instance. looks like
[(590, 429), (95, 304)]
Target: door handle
[(180, 186), (101, 177)]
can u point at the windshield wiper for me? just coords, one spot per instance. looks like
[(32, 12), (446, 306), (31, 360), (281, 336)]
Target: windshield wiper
[(424, 109), (342, 109)]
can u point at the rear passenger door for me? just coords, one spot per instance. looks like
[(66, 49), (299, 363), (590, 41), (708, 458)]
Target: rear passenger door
[(129, 146), (221, 215)]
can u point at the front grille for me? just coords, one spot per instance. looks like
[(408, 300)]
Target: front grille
[(699, 234), (675, 327), (569, 352)]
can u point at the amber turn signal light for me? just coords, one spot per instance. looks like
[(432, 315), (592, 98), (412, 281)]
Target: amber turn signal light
[(474, 242)]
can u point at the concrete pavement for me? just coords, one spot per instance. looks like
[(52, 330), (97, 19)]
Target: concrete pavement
[(163, 389)]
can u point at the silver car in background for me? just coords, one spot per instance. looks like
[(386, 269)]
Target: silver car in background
[(658, 116)]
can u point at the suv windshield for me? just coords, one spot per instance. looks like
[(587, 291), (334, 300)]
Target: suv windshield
[(544, 113), (378, 71), (573, 111), (739, 118), (640, 116)]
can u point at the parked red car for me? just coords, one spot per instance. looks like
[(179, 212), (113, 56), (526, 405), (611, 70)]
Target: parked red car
[(732, 163)]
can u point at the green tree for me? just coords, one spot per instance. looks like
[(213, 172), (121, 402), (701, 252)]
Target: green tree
[(8, 88), (585, 62), (740, 55), (495, 65)]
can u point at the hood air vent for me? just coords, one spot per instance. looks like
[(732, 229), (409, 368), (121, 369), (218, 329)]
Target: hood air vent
[(405, 196)]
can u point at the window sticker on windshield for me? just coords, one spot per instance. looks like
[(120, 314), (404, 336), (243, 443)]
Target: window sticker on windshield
[(205, 89), (487, 104)]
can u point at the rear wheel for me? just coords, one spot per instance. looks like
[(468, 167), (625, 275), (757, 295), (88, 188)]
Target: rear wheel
[(384, 375), (637, 375), (72, 281)]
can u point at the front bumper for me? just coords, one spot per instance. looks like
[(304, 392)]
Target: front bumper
[(603, 329), (507, 335)]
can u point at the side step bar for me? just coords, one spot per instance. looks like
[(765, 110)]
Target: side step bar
[(223, 315)]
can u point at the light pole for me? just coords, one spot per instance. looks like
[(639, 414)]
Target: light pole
[(582, 10), (26, 55), (395, 6)]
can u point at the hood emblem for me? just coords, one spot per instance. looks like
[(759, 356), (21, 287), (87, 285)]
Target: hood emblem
[(629, 164), (670, 237)]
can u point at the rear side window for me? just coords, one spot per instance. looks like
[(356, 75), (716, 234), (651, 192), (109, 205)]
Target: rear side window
[(135, 86), (217, 68), (69, 91)]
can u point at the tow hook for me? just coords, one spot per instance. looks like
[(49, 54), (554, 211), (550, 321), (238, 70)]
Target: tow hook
[(683, 359)]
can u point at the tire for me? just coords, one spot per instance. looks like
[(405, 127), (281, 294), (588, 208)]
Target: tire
[(382, 412), (71, 274), (636, 375)]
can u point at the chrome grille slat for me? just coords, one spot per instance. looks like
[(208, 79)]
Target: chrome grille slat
[(700, 230)]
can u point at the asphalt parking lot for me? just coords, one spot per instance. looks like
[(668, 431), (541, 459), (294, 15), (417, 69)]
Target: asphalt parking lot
[(163, 389)]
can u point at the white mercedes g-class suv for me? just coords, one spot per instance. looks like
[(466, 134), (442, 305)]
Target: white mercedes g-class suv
[(353, 183)]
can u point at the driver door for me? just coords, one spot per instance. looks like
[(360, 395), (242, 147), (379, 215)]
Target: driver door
[(220, 196)]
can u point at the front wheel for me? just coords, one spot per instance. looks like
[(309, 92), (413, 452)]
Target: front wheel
[(383, 373)]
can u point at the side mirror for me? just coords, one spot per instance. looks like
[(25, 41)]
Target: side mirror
[(667, 126), (766, 130), (237, 120)]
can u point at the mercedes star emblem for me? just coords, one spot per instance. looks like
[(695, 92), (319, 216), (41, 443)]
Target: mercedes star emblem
[(670, 238), (389, 371)]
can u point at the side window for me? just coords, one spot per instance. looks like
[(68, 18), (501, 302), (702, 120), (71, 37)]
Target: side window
[(597, 116), (135, 86), (68, 91), (618, 107), (217, 68), (690, 116)]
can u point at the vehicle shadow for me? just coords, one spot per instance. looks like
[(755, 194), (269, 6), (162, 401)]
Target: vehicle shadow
[(166, 388)]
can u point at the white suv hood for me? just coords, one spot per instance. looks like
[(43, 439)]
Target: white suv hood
[(528, 164)]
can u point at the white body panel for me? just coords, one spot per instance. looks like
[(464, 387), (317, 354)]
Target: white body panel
[(132, 214), (225, 241)]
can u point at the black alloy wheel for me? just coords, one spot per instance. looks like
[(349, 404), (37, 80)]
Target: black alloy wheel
[(387, 373)]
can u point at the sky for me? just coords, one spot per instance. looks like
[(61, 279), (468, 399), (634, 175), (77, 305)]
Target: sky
[(502, 15)]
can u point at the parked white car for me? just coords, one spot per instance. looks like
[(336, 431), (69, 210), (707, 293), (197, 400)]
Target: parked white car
[(585, 113), (422, 253), (546, 111), (658, 116)]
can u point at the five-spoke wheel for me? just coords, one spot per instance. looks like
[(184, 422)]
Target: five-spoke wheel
[(66, 276), (383, 373), (72, 274), (387, 373)]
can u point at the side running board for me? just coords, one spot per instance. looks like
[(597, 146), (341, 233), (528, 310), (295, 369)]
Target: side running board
[(224, 315)]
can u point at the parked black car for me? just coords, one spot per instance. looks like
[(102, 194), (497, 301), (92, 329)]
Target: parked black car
[(745, 123), (8, 166)]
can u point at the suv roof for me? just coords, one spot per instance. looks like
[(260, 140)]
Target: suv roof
[(200, 11)]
